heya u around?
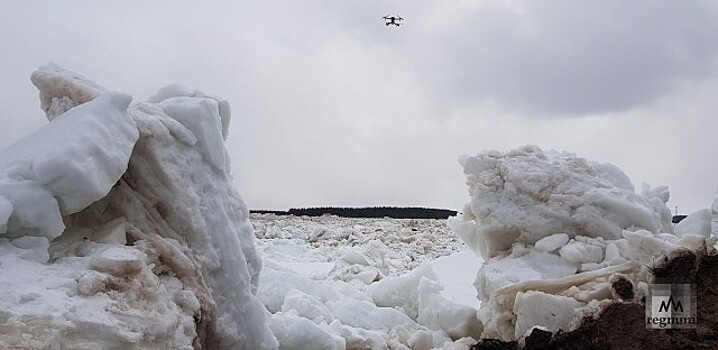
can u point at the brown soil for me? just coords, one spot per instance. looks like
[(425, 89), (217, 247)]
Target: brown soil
[(623, 288), (622, 325)]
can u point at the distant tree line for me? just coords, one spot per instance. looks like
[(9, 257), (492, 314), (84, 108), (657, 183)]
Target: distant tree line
[(369, 212), (380, 212)]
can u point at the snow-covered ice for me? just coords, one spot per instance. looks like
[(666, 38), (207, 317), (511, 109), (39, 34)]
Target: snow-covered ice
[(556, 230), (151, 246), (552, 242), (698, 223), (527, 194), (419, 294), (62, 168)]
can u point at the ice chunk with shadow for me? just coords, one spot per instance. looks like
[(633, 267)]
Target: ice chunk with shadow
[(298, 333), (307, 306), (698, 223), (552, 242), (401, 291), (556, 312), (437, 313)]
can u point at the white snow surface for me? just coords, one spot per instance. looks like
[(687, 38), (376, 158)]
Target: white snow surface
[(65, 166), (376, 283), (698, 223), (151, 246), (556, 229), (526, 194)]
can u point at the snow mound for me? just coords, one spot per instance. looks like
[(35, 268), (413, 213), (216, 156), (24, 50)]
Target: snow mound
[(557, 230), (527, 194), (151, 247)]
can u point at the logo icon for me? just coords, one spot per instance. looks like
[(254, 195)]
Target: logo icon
[(672, 306)]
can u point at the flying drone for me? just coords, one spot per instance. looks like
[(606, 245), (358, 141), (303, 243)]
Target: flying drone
[(393, 20)]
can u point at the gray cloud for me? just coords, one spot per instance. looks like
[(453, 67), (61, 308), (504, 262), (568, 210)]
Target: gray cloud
[(568, 58)]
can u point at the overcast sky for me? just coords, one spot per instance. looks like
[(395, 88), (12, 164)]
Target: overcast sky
[(331, 107)]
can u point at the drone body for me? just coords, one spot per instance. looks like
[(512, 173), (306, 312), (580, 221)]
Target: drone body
[(393, 20)]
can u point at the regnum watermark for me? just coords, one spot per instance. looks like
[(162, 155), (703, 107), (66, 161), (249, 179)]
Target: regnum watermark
[(672, 306)]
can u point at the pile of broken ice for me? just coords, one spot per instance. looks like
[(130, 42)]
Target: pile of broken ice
[(556, 230), (119, 226)]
